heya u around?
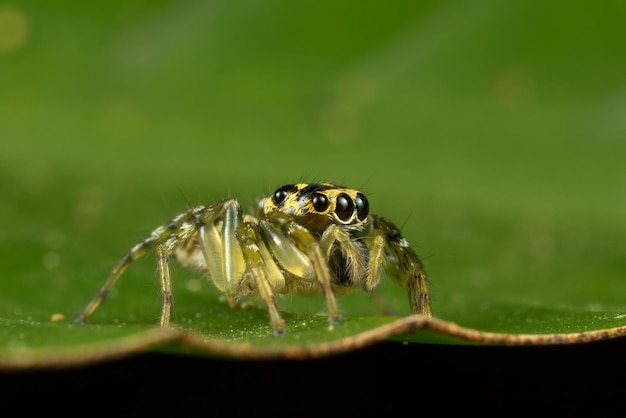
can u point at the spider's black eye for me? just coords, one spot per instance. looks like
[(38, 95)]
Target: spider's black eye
[(362, 206), (345, 207), (320, 202), (281, 194)]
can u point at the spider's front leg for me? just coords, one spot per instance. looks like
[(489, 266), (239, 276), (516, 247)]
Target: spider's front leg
[(235, 256), (404, 264), (253, 249), (300, 252)]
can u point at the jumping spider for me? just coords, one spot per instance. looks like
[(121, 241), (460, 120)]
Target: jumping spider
[(303, 239)]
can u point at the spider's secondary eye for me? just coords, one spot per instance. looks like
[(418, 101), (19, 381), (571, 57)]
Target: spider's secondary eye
[(362, 206), (281, 194), (320, 202), (345, 207)]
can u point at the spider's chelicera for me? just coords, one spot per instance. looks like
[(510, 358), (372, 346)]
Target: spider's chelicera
[(304, 238)]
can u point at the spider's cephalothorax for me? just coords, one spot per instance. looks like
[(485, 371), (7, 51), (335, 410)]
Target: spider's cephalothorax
[(316, 206), (304, 238)]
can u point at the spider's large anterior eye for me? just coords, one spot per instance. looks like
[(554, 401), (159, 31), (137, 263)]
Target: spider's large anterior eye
[(362, 206), (320, 202), (281, 194), (345, 207)]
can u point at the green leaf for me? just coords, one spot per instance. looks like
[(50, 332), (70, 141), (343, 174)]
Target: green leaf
[(500, 156)]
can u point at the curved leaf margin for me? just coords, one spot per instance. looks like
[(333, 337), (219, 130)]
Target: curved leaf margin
[(176, 337)]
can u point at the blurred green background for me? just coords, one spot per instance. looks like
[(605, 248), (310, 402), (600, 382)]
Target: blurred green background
[(493, 132)]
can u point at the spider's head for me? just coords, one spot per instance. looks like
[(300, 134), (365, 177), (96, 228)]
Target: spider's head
[(318, 205)]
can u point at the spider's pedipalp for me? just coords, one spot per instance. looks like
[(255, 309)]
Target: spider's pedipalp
[(377, 259), (349, 267)]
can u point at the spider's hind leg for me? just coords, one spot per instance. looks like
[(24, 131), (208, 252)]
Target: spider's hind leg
[(165, 238), (134, 253)]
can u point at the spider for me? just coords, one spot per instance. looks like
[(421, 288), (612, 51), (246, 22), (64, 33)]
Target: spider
[(304, 239)]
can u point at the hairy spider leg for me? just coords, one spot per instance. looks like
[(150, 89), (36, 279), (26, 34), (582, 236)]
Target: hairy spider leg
[(230, 249), (165, 238), (255, 257), (282, 227), (220, 247), (377, 259), (406, 266), (352, 252)]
